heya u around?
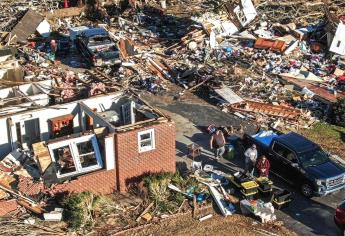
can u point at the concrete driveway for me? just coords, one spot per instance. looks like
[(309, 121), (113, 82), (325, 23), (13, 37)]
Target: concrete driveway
[(304, 216)]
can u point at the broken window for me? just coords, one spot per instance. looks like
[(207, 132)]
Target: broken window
[(338, 43), (64, 160), (76, 156), (146, 140), (87, 154), (241, 17)]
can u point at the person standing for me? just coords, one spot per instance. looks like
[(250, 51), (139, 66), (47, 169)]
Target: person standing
[(217, 144), (251, 155), (263, 166), (53, 46)]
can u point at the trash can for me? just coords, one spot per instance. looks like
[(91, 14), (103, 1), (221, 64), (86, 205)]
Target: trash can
[(233, 140), (230, 152)]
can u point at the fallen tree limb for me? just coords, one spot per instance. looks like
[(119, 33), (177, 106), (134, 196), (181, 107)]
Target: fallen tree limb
[(145, 211)]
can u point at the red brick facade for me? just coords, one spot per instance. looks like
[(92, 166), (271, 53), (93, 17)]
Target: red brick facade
[(99, 182), (131, 164)]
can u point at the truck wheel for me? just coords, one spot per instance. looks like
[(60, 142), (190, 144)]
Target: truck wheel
[(307, 190)]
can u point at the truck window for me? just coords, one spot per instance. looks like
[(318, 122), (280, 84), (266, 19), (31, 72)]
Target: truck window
[(284, 152), (313, 158)]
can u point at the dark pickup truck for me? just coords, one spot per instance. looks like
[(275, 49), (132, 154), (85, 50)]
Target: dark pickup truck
[(299, 161), (98, 48)]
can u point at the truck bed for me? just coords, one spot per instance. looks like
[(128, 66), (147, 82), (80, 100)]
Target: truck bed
[(264, 137), (261, 139)]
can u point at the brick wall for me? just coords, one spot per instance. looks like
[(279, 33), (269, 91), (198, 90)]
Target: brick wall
[(131, 164), (99, 182)]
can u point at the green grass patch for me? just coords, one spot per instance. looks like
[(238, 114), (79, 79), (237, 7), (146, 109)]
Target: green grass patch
[(329, 137), (324, 130)]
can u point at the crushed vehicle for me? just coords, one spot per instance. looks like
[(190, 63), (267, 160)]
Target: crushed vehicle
[(63, 47), (299, 162), (97, 47)]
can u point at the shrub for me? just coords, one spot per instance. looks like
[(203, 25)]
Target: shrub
[(165, 199), (104, 205), (157, 184), (79, 209), (339, 112)]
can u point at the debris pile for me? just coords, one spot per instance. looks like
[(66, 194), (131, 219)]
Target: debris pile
[(271, 54), (282, 62), (276, 63)]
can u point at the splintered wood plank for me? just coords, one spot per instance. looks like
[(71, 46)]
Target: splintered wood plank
[(269, 109), (42, 155)]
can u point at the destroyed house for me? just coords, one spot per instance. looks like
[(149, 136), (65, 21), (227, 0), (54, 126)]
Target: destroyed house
[(22, 97), (10, 69), (335, 29), (25, 27), (100, 144)]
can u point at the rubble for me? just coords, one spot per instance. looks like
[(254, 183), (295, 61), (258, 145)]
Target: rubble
[(25, 27), (278, 64), (55, 215), (8, 206)]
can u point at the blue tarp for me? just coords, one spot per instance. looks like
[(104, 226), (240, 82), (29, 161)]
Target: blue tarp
[(265, 137)]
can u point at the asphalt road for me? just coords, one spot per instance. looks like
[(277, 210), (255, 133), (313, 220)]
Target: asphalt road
[(311, 216)]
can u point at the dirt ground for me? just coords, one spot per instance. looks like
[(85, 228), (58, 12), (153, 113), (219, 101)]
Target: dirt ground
[(217, 225)]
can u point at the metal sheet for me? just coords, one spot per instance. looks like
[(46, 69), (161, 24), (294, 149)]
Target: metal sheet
[(228, 95)]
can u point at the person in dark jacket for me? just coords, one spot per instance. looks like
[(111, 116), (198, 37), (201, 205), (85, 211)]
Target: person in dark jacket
[(263, 166)]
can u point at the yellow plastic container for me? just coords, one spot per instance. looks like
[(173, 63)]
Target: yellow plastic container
[(249, 185), (249, 188), (265, 184)]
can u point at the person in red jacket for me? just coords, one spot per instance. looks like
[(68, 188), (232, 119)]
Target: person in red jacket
[(263, 166)]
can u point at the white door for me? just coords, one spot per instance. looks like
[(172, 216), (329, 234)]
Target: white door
[(128, 115), (30, 132)]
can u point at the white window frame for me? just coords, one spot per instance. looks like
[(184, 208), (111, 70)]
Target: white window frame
[(152, 137), (72, 144)]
